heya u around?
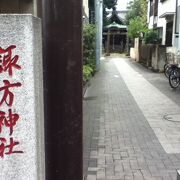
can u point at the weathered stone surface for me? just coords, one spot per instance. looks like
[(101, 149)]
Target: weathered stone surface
[(24, 32)]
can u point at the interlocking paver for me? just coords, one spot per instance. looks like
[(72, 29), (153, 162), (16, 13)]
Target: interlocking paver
[(119, 142), (91, 177)]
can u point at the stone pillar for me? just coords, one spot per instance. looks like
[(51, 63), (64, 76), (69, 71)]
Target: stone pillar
[(127, 44), (21, 99), (178, 174), (62, 50), (137, 49), (154, 58), (108, 43)]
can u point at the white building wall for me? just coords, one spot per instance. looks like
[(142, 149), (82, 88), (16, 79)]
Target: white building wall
[(167, 6), (86, 7), (150, 25), (178, 23), (148, 12), (162, 22)]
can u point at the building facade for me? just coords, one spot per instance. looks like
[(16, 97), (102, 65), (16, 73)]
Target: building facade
[(85, 11), (117, 31), (163, 15)]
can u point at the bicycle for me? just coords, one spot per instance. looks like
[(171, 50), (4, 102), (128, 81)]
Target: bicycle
[(174, 78), (170, 64)]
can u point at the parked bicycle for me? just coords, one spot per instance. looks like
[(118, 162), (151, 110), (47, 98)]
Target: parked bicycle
[(168, 68), (174, 77), (170, 64), (173, 70)]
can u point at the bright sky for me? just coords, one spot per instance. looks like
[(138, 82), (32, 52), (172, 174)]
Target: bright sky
[(121, 5)]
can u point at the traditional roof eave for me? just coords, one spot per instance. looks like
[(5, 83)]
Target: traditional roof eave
[(116, 25), (120, 19)]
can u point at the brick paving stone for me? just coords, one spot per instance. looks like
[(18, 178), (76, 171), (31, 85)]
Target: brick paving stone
[(134, 165), (101, 174), (118, 168), (118, 141), (91, 177)]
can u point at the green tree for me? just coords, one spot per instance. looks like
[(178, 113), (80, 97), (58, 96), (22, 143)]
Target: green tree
[(135, 28), (137, 9), (136, 18), (151, 37), (144, 11)]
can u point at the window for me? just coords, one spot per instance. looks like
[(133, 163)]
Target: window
[(160, 33), (156, 8), (151, 8), (169, 33)]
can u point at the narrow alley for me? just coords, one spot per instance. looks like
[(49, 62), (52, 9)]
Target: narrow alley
[(131, 124)]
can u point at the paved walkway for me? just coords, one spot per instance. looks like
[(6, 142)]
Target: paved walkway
[(131, 128)]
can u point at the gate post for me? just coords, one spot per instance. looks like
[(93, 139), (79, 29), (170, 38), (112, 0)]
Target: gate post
[(21, 98), (62, 57)]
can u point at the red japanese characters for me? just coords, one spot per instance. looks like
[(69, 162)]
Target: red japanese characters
[(8, 149), (9, 120), (8, 96), (8, 63)]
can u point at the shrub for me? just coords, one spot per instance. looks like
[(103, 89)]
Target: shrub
[(135, 29), (89, 51), (87, 73), (151, 37), (89, 48)]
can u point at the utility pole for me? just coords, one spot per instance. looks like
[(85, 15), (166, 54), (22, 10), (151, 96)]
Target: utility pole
[(99, 26)]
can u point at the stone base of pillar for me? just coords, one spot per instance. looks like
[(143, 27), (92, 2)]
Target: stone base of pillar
[(178, 174), (21, 98)]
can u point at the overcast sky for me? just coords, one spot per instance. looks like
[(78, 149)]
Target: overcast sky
[(121, 5)]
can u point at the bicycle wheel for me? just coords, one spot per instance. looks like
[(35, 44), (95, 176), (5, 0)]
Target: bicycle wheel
[(174, 81), (167, 70)]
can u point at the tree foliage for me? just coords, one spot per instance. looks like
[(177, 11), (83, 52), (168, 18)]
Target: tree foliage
[(135, 28), (89, 50), (144, 11), (136, 18), (137, 9), (151, 37)]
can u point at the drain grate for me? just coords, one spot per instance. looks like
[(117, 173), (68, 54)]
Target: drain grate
[(172, 117)]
